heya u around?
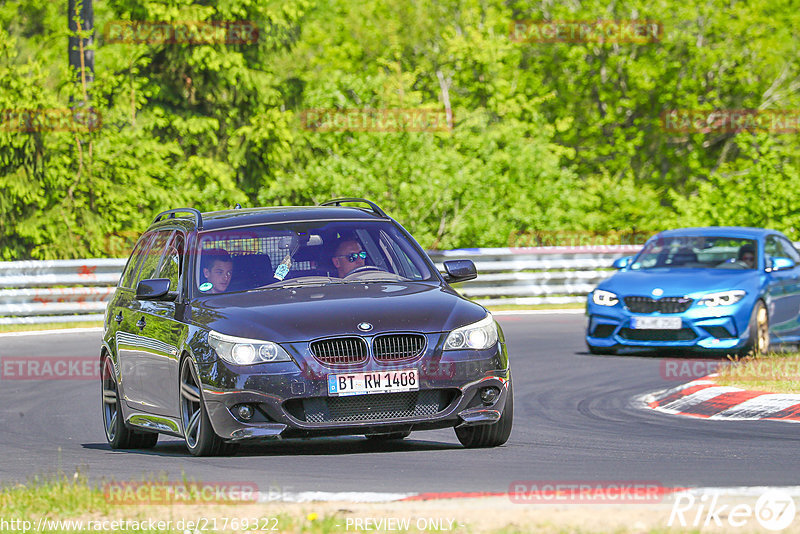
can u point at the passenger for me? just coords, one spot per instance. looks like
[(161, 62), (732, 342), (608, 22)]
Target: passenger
[(218, 270), (348, 256)]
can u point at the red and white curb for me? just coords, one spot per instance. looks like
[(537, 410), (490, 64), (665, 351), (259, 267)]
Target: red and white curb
[(704, 399)]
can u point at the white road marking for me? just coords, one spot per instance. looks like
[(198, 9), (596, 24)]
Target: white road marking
[(92, 329)]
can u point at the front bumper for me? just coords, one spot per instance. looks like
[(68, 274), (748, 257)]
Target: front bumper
[(294, 402), (718, 328)]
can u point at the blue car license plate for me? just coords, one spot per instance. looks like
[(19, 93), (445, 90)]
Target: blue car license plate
[(656, 323)]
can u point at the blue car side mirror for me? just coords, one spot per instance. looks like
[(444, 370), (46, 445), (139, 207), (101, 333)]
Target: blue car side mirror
[(781, 264), (621, 263)]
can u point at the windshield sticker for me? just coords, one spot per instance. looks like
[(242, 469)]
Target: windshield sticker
[(206, 286)]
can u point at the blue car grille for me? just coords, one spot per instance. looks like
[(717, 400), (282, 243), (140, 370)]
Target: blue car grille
[(662, 305), (684, 334)]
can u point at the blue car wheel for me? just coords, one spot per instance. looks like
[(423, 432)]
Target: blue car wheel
[(758, 342)]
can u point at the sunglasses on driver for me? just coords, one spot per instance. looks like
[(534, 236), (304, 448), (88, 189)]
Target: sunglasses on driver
[(353, 256)]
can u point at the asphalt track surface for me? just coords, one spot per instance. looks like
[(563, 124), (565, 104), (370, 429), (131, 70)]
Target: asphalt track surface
[(574, 421)]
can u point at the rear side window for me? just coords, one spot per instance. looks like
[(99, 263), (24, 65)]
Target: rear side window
[(170, 267), (152, 258), (135, 260)]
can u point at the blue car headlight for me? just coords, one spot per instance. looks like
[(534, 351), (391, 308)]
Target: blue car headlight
[(242, 351), (604, 298), (480, 335), (722, 298)]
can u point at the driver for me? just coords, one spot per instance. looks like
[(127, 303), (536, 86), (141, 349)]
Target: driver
[(747, 256), (218, 270), (348, 257)]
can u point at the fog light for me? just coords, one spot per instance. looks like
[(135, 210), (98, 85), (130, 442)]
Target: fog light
[(489, 395), (245, 412)]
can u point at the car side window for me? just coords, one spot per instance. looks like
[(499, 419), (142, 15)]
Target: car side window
[(170, 267), (788, 250), (152, 258), (772, 249), (135, 261), (404, 266)]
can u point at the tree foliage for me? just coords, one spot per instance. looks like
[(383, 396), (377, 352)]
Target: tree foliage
[(545, 136)]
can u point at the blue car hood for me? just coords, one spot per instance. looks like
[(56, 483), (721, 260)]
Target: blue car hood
[(679, 282)]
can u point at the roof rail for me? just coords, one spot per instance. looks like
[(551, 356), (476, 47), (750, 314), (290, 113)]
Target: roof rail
[(338, 202), (198, 217)]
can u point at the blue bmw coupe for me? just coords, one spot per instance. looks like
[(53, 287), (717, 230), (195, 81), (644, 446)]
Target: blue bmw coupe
[(725, 289)]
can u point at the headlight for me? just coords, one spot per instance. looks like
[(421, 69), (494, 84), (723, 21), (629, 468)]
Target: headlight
[(242, 351), (604, 298), (480, 335), (723, 298)]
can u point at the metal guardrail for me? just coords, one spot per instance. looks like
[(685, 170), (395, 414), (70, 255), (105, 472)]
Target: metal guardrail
[(535, 275), (78, 290)]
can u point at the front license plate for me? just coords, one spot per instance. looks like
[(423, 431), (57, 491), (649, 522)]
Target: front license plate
[(373, 382), (656, 323)]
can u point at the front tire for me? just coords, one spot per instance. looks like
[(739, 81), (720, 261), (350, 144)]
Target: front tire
[(201, 440), (758, 342), (493, 435)]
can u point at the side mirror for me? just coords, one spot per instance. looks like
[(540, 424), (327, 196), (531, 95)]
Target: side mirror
[(782, 264), (622, 263), (459, 271), (154, 289)]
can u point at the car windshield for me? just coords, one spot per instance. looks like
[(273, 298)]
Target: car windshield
[(306, 253), (697, 252)]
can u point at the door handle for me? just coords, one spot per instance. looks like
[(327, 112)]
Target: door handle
[(118, 317), (141, 323)]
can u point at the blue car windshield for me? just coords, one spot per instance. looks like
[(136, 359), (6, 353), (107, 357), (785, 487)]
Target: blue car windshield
[(697, 252), (305, 253)]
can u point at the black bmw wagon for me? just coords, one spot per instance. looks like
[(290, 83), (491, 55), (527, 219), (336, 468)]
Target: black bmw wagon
[(267, 323)]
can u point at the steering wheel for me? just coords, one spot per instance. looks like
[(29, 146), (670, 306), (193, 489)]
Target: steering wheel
[(363, 269)]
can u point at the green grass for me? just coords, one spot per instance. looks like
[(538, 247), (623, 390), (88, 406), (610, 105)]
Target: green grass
[(48, 326), (60, 496), (71, 497), (773, 373)]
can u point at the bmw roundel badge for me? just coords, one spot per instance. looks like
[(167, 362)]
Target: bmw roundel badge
[(364, 327)]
